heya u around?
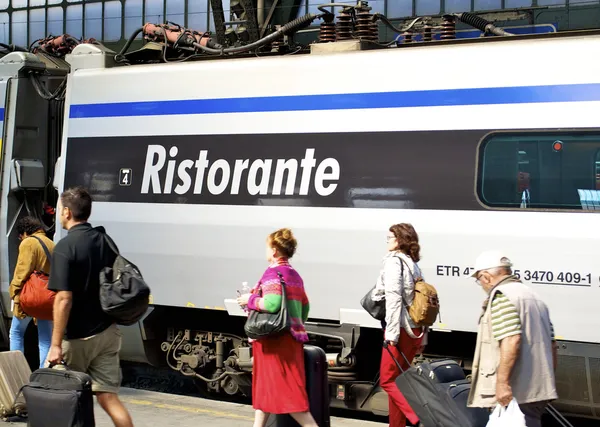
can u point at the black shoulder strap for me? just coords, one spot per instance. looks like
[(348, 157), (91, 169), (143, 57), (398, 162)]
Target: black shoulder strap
[(283, 290), (46, 251), (111, 244)]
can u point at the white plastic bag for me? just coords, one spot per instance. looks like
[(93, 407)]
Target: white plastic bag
[(509, 417)]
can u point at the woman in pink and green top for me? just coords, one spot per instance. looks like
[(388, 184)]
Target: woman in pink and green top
[(278, 379)]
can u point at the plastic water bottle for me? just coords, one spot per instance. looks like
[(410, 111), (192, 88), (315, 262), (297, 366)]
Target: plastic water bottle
[(245, 290)]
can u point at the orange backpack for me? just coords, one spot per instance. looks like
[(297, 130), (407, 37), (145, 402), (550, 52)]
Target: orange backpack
[(425, 307), (36, 300)]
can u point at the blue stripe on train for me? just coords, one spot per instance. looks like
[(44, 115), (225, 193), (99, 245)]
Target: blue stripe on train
[(346, 101)]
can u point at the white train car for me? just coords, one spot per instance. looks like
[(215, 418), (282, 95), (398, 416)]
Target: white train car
[(480, 144)]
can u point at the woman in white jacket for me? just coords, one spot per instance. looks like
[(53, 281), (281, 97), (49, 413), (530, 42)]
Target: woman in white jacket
[(397, 278)]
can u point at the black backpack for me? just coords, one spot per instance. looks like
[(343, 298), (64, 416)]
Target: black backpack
[(124, 295)]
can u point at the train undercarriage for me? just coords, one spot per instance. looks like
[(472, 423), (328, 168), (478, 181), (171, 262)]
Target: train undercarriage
[(220, 358)]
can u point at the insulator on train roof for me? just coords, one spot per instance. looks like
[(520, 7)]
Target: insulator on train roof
[(242, 33), (364, 25), (448, 27), (231, 36), (277, 45), (343, 28), (236, 7), (327, 29), (427, 32)]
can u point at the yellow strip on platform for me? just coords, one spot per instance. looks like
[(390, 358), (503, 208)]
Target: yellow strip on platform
[(191, 409)]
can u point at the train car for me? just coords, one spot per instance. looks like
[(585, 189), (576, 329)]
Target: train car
[(479, 143)]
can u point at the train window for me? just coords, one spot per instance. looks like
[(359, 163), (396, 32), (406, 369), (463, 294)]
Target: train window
[(133, 17), (37, 24), (540, 170), (74, 18), (378, 6), (487, 4), (19, 27), (510, 4), (455, 6), (176, 11), (427, 7), (4, 25), (552, 2), (55, 20), (399, 9), (93, 21), (112, 21), (198, 14), (154, 11)]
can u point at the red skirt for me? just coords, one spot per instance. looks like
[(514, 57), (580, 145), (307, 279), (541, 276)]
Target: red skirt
[(278, 379)]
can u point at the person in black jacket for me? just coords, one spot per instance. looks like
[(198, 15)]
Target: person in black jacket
[(84, 336)]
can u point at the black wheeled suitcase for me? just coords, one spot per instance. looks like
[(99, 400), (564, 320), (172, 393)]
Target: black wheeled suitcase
[(438, 404), (459, 392), (443, 371), (317, 388), (59, 398)]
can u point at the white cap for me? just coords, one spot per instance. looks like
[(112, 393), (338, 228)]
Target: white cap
[(490, 259)]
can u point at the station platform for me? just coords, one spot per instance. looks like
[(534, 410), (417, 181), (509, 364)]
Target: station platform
[(149, 408)]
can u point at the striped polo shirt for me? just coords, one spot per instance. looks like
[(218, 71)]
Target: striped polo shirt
[(505, 318)]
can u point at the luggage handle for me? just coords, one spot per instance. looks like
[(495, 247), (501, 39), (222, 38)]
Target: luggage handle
[(558, 416), (386, 346), (62, 362)]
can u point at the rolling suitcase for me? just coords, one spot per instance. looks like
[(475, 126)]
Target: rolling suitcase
[(14, 374), (59, 398), (459, 392), (443, 371), (317, 388), (436, 404)]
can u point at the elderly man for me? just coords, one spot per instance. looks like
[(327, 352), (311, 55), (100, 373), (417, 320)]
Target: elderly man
[(515, 356)]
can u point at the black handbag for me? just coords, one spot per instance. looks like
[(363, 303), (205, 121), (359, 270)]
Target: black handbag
[(376, 308), (261, 325)]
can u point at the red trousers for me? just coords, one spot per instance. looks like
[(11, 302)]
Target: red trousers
[(400, 410)]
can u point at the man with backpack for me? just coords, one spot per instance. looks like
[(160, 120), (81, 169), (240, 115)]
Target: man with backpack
[(84, 336), (515, 355)]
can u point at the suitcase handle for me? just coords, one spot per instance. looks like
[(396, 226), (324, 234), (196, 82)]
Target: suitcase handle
[(62, 362), (386, 346), (558, 416)]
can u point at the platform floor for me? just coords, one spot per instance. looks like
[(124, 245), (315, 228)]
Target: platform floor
[(160, 409), (150, 408)]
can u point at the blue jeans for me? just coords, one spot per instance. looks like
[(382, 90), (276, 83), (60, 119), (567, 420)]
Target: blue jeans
[(17, 334)]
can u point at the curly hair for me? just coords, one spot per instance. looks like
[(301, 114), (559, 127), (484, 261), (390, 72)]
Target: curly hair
[(408, 240), (29, 225), (284, 241)]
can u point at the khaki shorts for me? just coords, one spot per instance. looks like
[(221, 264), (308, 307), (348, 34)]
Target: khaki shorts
[(97, 356)]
